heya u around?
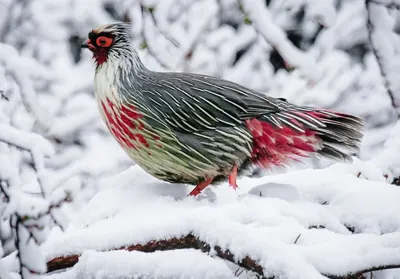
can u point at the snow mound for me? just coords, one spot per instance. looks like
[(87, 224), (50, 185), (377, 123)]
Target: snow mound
[(301, 224), (169, 264)]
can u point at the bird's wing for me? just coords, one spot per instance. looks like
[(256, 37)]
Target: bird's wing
[(192, 103)]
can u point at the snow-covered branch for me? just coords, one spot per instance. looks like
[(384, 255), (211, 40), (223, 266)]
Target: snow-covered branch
[(385, 46), (187, 242), (31, 142), (28, 218), (276, 38), (13, 65), (192, 242), (30, 208)]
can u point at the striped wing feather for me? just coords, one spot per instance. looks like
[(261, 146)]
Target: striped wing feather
[(219, 102)]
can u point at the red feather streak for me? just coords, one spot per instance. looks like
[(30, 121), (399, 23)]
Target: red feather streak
[(273, 145), (122, 122)]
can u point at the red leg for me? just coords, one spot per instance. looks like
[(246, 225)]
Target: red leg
[(232, 178), (197, 190)]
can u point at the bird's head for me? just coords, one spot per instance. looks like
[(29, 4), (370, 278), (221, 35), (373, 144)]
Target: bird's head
[(112, 40)]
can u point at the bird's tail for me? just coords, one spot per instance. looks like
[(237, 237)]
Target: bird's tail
[(340, 134), (301, 131)]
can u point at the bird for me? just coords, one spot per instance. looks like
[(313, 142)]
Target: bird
[(201, 130)]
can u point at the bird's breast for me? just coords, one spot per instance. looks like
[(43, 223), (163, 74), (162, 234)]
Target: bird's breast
[(126, 124), (123, 119)]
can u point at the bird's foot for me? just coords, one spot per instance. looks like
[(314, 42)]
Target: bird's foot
[(232, 178), (200, 187)]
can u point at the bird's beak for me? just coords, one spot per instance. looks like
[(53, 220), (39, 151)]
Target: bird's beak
[(87, 44)]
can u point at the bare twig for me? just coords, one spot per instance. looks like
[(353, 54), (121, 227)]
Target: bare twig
[(23, 146), (3, 96), (16, 221), (238, 272), (188, 48), (27, 92), (43, 194), (148, 12), (3, 186), (17, 245)]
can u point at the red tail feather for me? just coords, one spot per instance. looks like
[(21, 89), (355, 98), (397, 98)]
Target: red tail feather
[(274, 145)]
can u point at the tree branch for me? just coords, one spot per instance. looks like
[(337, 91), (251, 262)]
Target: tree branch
[(58, 204), (261, 20), (191, 241), (186, 242), (149, 18), (150, 10), (377, 53)]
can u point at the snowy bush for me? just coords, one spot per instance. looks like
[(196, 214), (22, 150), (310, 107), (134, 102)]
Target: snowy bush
[(30, 204), (58, 162)]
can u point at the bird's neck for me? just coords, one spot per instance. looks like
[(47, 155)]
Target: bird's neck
[(126, 59), (116, 70)]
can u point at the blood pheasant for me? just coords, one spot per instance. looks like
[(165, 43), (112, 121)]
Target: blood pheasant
[(198, 129)]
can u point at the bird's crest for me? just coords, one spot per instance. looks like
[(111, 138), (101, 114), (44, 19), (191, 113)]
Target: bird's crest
[(117, 29)]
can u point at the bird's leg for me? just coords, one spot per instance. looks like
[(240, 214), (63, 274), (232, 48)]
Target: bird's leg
[(232, 178), (197, 190)]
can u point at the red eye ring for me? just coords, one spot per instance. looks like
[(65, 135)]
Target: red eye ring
[(103, 41)]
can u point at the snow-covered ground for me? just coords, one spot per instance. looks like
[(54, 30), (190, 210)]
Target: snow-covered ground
[(337, 221), (296, 225)]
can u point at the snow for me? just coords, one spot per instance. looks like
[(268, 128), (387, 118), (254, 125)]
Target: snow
[(13, 64), (60, 168), (168, 264), (385, 44), (387, 159), (321, 213), (26, 140), (263, 23)]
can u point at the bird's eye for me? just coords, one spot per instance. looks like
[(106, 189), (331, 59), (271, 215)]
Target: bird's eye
[(104, 41)]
